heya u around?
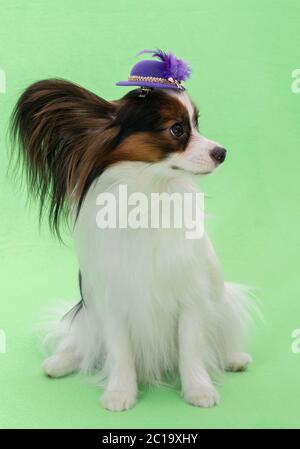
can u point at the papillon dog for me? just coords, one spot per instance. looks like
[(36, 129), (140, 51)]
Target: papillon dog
[(153, 303)]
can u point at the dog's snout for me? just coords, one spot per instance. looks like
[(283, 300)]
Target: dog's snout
[(218, 154)]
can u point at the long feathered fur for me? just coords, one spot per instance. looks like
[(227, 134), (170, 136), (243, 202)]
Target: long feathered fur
[(154, 285), (60, 130), (66, 136)]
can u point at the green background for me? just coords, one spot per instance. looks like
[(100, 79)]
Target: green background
[(242, 53)]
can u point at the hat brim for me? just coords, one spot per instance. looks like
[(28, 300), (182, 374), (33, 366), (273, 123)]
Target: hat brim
[(148, 84)]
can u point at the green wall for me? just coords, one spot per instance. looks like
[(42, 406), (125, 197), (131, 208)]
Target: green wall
[(242, 53)]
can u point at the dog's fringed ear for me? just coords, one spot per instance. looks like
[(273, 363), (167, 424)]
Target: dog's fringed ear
[(61, 131)]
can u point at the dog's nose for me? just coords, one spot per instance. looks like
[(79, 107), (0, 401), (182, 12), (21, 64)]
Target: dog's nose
[(218, 154)]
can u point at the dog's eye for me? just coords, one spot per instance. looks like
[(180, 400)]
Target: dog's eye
[(177, 130)]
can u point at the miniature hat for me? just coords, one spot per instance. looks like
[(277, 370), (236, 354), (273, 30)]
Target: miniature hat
[(164, 74)]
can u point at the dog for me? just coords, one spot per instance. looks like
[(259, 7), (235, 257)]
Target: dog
[(153, 303)]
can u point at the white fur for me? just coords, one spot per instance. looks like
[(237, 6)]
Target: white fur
[(196, 158), (155, 301)]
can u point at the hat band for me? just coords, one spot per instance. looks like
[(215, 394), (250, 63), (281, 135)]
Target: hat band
[(154, 79)]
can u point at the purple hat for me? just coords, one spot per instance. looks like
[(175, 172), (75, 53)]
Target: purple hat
[(164, 74)]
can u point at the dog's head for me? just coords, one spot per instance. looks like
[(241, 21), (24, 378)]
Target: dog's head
[(163, 125), (68, 136)]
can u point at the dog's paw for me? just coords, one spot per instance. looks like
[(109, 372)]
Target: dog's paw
[(238, 362), (60, 365), (118, 400), (202, 396)]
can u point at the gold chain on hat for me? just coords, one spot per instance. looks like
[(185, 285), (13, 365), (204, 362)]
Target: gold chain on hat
[(154, 79)]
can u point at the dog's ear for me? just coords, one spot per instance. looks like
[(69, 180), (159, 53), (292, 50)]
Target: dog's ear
[(63, 132)]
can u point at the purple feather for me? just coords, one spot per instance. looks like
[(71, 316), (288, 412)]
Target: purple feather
[(173, 67)]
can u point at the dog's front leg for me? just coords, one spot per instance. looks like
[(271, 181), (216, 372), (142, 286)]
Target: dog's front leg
[(197, 387), (121, 389)]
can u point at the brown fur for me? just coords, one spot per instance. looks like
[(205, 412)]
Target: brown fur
[(67, 136)]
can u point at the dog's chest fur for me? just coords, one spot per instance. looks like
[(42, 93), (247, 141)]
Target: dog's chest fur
[(147, 274)]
